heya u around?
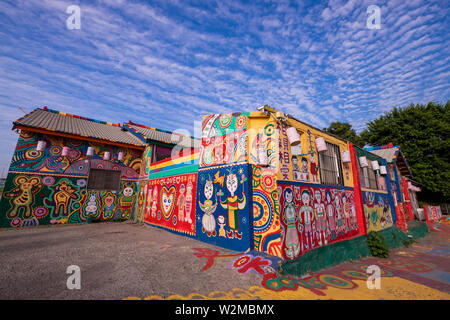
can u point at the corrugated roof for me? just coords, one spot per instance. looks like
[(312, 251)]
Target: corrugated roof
[(165, 136), (76, 125), (387, 153)]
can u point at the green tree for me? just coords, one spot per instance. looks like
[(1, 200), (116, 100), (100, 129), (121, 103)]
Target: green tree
[(422, 131), (344, 131)]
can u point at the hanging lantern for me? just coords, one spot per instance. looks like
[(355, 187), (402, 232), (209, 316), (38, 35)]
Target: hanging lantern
[(120, 156), (383, 170), (321, 145), (293, 136), (90, 151), (41, 145), (296, 150), (363, 162), (65, 151), (346, 156), (106, 155), (375, 165)]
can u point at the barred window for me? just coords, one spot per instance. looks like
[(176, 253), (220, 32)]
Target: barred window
[(330, 165), (102, 179), (368, 177)]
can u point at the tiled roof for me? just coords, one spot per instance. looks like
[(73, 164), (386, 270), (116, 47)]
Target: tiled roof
[(165, 136), (70, 124)]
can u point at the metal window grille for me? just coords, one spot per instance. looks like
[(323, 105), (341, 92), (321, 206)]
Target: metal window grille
[(330, 166), (368, 177), (101, 179)]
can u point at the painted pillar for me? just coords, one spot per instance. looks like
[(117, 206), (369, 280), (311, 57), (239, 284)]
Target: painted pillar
[(407, 200), (389, 190), (357, 190)]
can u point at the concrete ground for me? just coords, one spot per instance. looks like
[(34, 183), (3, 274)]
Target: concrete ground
[(133, 261)]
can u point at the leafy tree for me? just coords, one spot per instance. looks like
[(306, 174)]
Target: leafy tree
[(344, 131), (422, 131)]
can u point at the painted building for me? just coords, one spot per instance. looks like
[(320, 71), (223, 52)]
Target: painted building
[(404, 188), (261, 181)]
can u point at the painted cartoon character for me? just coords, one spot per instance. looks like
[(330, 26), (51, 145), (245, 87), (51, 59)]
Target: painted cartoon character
[(108, 205), (154, 201), (188, 202), (321, 223), (308, 217), (23, 195), (290, 217), (91, 206), (126, 201), (331, 220), (314, 169), (181, 203), (233, 204), (221, 223), (304, 176), (64, 193), (208, 207)]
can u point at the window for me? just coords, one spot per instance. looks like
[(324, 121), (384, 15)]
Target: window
[(368, 177), (101, 179), (161, 153), (330, 165)]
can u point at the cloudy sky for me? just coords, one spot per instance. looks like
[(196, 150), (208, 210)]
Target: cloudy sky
[(166, 63)]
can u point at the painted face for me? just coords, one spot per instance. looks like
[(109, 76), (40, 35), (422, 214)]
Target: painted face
[(128, 192), (182, 189), (167, 201), (328, 198), (318, 195), (209, 189), (344, 200), (221, 219), (305, 198), (288, 196), (312, 157), (232, 183)]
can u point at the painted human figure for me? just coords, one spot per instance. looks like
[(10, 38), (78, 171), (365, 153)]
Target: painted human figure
[(233, 204), (181, 203), (295, 168), (154, 201), (208, 207), (346, 208), (189, 201), (290, 217), (331, 220), (23, 195), (314, 169), (221, 223), (353, 211), (108, 205), (321, 222), (304, 171), (308, 216), (337, 207)]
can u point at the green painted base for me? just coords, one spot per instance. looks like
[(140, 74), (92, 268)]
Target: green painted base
[(349, 250)]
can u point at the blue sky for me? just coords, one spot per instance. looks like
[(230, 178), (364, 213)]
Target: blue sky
[(166, 63)]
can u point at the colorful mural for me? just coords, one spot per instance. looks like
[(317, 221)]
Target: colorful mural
[(33, 200), (223, 214), (314, 216), (171, 203), (377, 211), (27, 159), (44, 187), (266, 211), (224, 139)]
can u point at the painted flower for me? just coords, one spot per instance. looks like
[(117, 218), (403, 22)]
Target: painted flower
[(81, 183), (241, 122)]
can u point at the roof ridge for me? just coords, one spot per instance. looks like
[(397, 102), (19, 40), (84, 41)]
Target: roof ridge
[(79, 117), (160, 130)]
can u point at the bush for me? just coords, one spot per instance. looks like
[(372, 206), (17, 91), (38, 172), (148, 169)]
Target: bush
[(377, 245)]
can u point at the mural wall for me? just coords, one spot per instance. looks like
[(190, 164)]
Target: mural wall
[(224, 139), (170, 203), (44, 187), (313, 216), (223, 207), (377, 210)]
